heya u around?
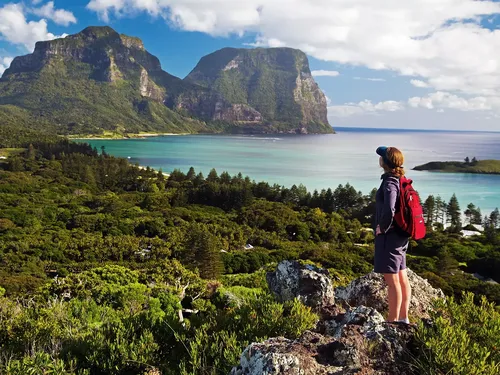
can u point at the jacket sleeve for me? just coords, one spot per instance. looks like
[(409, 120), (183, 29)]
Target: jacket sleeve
[(391, 189)]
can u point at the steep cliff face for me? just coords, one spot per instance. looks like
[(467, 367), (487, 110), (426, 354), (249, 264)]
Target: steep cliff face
[(99, 80), (276, 82)]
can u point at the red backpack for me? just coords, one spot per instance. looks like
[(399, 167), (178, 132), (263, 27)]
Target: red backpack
[(410, 216)]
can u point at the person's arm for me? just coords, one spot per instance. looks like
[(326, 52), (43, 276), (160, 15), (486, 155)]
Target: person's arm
[(390, 196)]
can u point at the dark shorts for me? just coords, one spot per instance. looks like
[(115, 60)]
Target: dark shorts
[(390, 252)]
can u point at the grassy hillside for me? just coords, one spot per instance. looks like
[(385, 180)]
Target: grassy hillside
[(60, 94)]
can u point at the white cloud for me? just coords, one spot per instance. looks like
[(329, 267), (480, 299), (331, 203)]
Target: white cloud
[(122, 8), (417, 102), (59, 16), (419, 83), (364, 107), (445, 100), (440, 41), (344, 110), (369, 79), (14, 27), (439, 101), (325, 73), (4, 64)]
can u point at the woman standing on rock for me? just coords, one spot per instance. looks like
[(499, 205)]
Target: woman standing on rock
[(390, 243)]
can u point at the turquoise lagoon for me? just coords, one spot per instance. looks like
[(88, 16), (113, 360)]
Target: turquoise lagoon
[(325, 161)]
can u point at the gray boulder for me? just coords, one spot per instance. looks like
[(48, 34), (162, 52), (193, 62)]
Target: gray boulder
[(310, 284), (356, 342), (369, 320), (371, 290)]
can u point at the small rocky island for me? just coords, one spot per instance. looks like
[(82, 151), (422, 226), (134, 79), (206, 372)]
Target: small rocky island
[(467, 166)]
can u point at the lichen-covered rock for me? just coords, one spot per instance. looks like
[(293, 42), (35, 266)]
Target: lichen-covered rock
[(282, 356), (371, 291), (356, 341), (353, 341), (362, 343), (309, 284), (370, 321)]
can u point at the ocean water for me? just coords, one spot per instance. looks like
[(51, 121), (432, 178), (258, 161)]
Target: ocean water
[(323, 161)]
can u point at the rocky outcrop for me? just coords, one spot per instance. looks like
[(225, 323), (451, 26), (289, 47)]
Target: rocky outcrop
[(283, 356), (311, 99), (357, 340), (149, 88), (310, 284), (211, 106), (371, 290), (237, 113), (100, 47)]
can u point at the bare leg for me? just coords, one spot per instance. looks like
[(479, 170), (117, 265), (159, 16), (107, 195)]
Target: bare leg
[(394, 295), (405, 294)]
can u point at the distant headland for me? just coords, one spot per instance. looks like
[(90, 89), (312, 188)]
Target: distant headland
[(467, 166)]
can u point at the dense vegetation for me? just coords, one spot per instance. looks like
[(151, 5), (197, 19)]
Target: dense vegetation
[(109, 269), (462, 340), (467, 166)]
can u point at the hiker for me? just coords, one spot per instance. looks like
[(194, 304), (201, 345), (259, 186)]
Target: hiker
[(391, 243)]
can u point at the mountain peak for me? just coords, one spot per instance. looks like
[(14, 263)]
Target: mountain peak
[(102, 47), (108, 35), (277, 82), (97, 31)]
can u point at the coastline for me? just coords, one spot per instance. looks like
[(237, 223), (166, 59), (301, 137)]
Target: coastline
[(142, 167), (459, 172), (127, 136), (116, 136)]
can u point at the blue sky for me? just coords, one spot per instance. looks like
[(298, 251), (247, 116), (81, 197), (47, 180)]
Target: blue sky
[(383, 63)]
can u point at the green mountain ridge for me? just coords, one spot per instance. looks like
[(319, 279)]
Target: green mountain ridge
[(99, 80), (277, 82)]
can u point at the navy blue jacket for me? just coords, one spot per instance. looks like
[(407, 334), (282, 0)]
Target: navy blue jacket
[(391, 245), (387, 202)]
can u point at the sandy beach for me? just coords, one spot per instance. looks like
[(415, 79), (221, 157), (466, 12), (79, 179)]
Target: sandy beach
[(143, 167), (128, 136)]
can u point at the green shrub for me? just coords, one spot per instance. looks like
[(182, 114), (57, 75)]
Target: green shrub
[(249, 280), (39, 364), (214, 346), (463, 339)]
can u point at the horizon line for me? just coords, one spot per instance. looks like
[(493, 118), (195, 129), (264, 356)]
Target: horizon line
[(335, 128)]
